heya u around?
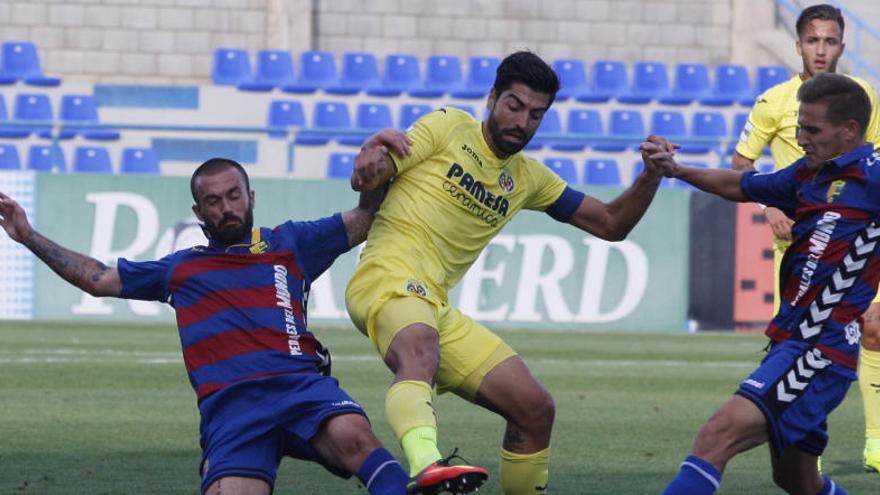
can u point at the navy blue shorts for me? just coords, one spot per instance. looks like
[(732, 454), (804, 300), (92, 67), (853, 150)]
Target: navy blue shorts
[(796, 388), (248, 427)]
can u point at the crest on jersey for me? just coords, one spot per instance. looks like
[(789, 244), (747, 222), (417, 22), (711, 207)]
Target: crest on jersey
[(747, 130), (834, 190), (416, 288), (505, 181), (853, 332)]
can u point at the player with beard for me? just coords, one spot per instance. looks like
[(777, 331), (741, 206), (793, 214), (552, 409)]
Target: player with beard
[(772, 122), (255, 367), (457, 183)]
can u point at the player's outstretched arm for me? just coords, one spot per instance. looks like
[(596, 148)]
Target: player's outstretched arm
[(724, 183), (84, 272), (613, 221), (358, 220), (373, 166)]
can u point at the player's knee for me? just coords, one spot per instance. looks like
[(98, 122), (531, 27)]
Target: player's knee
[(714, 438), (415, 352), (538, 413)]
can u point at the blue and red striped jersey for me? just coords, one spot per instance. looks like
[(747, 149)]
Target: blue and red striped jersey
[(829, 274), (241, 310)]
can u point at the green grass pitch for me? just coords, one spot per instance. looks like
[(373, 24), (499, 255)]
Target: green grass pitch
[(107, 409)]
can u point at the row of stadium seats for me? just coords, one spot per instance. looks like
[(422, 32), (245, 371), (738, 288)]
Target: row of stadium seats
[(591, 172), (33, 114), (21, 63), (583, 128), (610, 79), (86, 159)]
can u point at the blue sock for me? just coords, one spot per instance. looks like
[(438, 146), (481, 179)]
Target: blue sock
[(382, 474), (831, 488), (696, 477)]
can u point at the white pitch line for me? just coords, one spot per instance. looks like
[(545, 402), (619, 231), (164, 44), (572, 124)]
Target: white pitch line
[(41, 356)]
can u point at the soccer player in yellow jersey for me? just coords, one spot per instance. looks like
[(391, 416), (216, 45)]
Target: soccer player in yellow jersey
[(456, 183), (773, 121)]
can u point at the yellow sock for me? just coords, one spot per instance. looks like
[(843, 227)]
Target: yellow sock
[(869, 384), (410, 413), (525, 474)]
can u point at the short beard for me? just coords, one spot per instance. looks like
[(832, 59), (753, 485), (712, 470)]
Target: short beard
[(497, 136), (231, 234)]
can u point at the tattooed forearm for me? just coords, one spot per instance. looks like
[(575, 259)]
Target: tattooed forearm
[(82, 271)]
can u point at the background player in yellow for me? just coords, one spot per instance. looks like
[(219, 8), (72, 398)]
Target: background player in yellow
[(773, 121), (453, 190)]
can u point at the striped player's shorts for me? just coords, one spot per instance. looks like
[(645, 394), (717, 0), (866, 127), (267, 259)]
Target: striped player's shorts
[(796, 388)]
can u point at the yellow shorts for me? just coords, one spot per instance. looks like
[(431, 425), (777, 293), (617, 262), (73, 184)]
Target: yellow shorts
[(468, 350)]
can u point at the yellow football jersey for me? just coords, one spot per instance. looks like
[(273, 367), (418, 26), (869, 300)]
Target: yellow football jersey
[(773, 121), (450, 197)]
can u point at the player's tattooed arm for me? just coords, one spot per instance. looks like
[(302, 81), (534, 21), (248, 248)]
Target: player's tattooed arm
[(359, 220), (82, 271), (87, 273)]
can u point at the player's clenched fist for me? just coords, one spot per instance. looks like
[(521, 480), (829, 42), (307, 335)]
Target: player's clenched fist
[(13, 218), (373, 165)]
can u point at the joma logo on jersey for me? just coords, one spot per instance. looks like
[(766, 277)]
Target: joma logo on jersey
[(470, 151), (834, 190), (477, 190)]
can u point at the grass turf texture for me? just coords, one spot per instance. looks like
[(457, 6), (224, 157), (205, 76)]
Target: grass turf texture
[(107, 409)]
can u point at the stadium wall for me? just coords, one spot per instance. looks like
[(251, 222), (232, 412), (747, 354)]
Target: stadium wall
[(172, 41), (537, 273)]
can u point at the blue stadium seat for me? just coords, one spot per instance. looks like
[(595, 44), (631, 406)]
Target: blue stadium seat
[(691, 83), (317, 70), (627, 130), (83, 110), (580, 121), (768, 76), (36, 110), (609, 81), (467, 108), (9, 131), (411, 112), (9, 159), (330, 121), (669, 124), (400, 75), (139, 161), (601, 172), (572, 78), (232, 66), (274, 69), (21, 62), (710, 128), (550, 125), (442, 76), (731, 86), (340, 165), (285, 113), (736, 128), (94, 160), (564, 167), (650, 82), (370, 117), (360, 72), (43, 158), (481, 76)]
